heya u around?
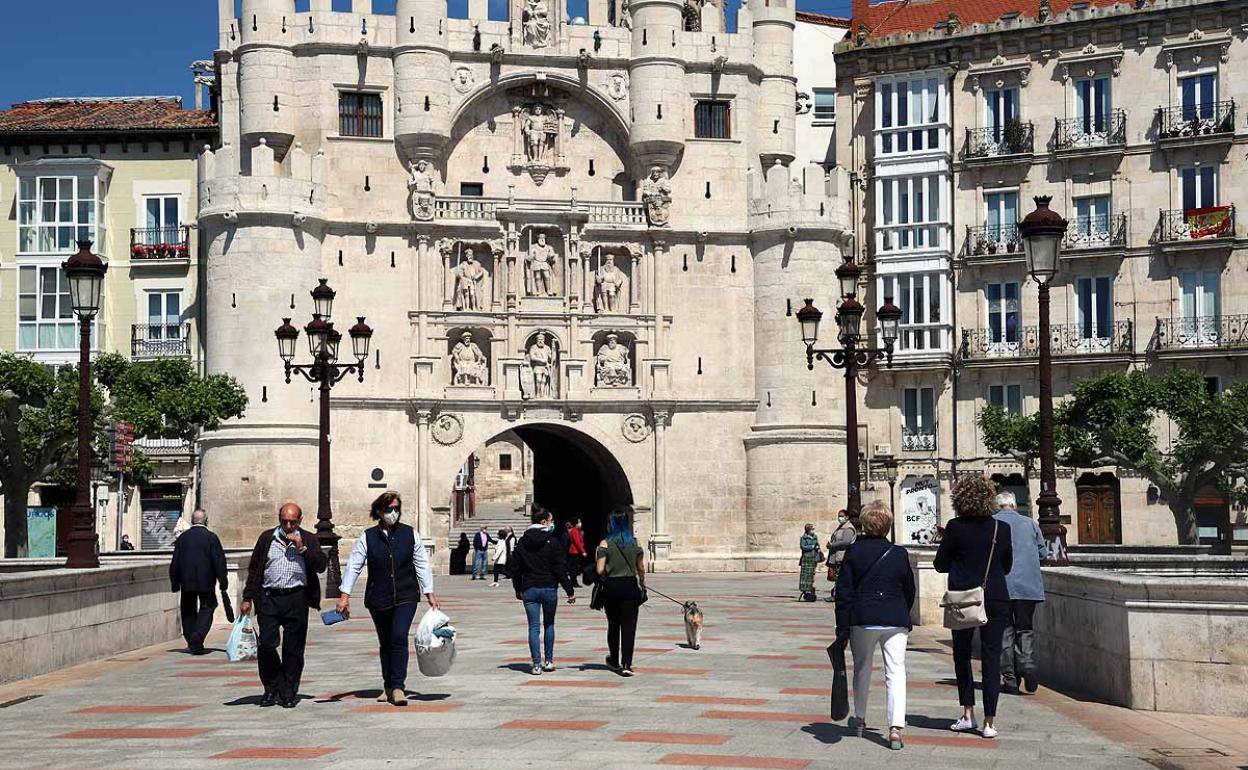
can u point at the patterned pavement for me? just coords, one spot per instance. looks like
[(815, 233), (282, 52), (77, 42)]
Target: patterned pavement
[(754, 696)]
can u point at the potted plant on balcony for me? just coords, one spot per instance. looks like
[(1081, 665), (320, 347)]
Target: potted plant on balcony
[(138, 251), (1014, 136), (183, 251)]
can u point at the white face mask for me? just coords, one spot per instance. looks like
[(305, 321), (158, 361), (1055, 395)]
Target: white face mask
[(840, 519), (390, 518)]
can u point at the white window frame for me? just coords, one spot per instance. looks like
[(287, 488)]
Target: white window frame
[(1087, 316), (1091, 225), (995, 101), (925, 336), (33, 212), (1005, 390), (1200, 305), (1212, 74), (65, 328), (817, 119), (1005, 344), (1197, 173), (894, 236), (887, 102), (167, 330), (922, 436)]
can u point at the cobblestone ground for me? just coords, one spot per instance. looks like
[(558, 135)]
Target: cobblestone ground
[(755, 696)]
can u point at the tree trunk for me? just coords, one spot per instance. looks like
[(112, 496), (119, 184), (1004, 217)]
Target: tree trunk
[(1184, 521), (15, 545)]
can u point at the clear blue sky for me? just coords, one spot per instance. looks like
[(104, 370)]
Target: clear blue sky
[(133, 47)]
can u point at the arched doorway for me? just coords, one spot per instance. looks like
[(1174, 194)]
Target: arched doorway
[(1100, 518)]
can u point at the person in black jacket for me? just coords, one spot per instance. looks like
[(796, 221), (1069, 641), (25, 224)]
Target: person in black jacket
[(874, 593), (398, 573), (197, 568), (976, 551), (539, 565)]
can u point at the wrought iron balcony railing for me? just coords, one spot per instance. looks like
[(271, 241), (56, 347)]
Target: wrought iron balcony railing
[(991, 240), (1096, 232), (162, 446), (921, 440), (152, 243), (1065, 340), (1196, 120), (1225, 332), (1013, 138), (160, 340), (1207, 223), (1091, 132)]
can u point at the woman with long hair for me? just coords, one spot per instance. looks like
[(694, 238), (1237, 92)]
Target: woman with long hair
[(398, 573), (621, 566)]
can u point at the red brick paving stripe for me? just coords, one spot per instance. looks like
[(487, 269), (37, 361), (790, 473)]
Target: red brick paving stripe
[(273, 753), (955, 741), (821, 691), (549, 724), (766, 716), (672, 671), (419, 708), (819, 647), (717, 760), (773, 657), (711, 700), (687, 739), (170, 709), (591, 683), (815, 666), (158, 733)]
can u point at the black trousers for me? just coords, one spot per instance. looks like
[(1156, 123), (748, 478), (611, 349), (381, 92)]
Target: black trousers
[(196, 610), (574, 568), (393, 626), (621, 601), (989, 654), (285, 617)]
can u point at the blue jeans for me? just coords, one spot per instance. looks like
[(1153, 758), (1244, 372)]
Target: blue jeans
[(393, 626), (478, 565), (540, 605)]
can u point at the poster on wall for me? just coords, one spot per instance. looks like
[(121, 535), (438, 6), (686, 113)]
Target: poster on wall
[(41, 533), (920, 510)]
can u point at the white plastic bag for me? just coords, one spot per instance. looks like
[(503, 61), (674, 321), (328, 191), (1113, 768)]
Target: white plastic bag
[(242, 643), (435, 653)]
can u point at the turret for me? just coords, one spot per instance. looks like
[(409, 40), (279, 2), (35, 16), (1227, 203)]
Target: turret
[(265, 74), (422, 79), (773, 25), (657, 74)]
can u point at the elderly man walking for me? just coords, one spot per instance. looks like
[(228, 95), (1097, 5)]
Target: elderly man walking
[(197, 568), (1026, 587), (281, 580)]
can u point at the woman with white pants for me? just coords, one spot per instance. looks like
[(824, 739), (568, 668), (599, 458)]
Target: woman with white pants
[(874, 593)]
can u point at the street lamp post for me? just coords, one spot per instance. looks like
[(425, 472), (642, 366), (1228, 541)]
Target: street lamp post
[(325, 371), (851, 357), (890, 475), (85, 273), (1042, 231)]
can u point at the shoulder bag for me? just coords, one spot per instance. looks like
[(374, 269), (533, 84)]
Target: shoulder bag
[(966, 609)]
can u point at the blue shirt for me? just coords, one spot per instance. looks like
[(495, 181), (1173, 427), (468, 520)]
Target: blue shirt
[(1024, 580)]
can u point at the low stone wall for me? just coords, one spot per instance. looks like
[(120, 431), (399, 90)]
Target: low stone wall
[(1157, 643)]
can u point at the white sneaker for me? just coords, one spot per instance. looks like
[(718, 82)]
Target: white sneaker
[(548, 666), (537, 671), (493, 585), (989, 731), (964, 725)]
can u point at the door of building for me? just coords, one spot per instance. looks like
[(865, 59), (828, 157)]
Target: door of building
[(1213, 519), (1099, 516)]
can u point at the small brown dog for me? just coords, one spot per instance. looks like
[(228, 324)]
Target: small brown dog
[(693, 625)]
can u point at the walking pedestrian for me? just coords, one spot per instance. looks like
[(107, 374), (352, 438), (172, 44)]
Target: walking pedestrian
[(501, 547), (538, 566), (874, 595), (976, 551), (282, 583), (398, 573), (577, 555), (621, 566), (480, 552), (1026, 588), (197, 568), (838, 543), (811, 556)]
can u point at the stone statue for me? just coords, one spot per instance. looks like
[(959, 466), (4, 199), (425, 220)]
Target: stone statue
[(468, 364), (540, 129), (609, 283), (626, 16), (420, 185), (470, 279), (656, 194), (536, 21), (540, 263), (540, 359), (611, 367)]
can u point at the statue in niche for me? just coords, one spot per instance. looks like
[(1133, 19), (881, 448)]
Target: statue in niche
[(468, 364), (540, 360), (470, 278), (540, 265), (611, 367), (540, 129), (536, 21), (420, 185), (692, 13), (609, 285), (656, 194), (626, 16)]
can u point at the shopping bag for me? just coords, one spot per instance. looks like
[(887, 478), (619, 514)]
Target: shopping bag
[(242, 642), (435, 643), (840, 680)]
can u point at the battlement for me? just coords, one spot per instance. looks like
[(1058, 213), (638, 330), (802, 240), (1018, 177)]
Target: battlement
[(233, 184), (813, 198)]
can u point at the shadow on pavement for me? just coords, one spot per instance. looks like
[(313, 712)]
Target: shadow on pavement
[(930, 723), (373, 694), (827, 733)]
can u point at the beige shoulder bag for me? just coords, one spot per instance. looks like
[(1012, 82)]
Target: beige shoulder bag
[(966, 609)]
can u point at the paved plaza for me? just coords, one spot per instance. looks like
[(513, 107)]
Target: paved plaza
[(755, 696)]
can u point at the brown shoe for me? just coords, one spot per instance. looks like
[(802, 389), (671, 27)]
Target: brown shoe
[(398, 697)]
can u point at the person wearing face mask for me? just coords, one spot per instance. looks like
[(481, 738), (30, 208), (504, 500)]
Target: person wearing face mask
[(838, 543), (398, 573)]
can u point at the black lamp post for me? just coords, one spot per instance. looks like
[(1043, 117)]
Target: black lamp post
[(851, 357), (890, 475), (85, 272), (323, 344), (1042, 231)]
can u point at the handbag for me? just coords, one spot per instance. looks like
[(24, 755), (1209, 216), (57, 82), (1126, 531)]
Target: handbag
[(967, 609)]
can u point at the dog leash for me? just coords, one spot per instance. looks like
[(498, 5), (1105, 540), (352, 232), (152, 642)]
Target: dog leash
[(665, 596)]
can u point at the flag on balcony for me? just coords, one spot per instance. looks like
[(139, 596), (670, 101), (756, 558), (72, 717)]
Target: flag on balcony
[(1210, 221)]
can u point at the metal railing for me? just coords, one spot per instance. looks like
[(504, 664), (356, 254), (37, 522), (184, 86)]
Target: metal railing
[(921, 440), (163, 447), (1096, 232), (988, 240), (160, 340), (1013, 138), (1091, 131), (1065, 340), (150, 243), (1207, 223), (1196, 120), (1218, 332)]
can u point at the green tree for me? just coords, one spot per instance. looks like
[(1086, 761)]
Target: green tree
[(1012, 435)]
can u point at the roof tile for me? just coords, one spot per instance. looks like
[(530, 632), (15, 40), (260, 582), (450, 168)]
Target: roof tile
[(104, 114)]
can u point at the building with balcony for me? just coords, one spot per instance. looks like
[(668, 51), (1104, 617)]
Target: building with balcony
[(119, 172), (1126, 114)]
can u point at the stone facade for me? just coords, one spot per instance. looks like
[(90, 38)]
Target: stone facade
[(628, 191)]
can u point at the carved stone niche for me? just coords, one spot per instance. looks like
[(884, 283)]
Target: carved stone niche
[(615, 360), (473, 274), (539, 131), (539, 369), (611, 272), (468, 352), (542, 265)]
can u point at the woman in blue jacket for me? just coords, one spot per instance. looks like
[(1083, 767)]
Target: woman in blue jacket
[(874, 593)]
